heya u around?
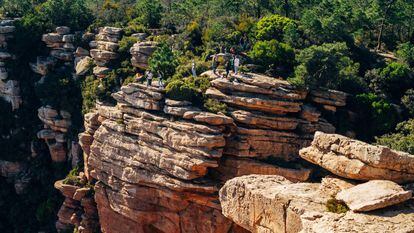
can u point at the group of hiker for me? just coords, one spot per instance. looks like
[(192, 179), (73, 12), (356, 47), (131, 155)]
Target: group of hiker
[(149, 77), (231, 62)]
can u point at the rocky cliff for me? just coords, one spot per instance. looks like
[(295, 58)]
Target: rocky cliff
[(336, 204), (159, 163)]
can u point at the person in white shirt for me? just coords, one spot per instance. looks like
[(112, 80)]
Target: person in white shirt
[(160, 81), (193, 69), (236, 64), (149, 78)]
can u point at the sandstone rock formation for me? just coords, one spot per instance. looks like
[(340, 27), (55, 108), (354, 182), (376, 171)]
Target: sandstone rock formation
[(61, 44), (78, 210), (272, 204), (173, 156), (357, 160), (9, 88), (273, 118), (141, 52), (140, 155), (56, 123), (104, 49), (375, 194)]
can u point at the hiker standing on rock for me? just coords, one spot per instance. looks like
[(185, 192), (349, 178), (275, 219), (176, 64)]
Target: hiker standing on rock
[(149, 78), (193, 69), (228, 67), (236, 64), (160, 81), (214, 63)]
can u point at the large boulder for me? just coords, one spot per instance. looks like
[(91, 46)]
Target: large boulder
[(141, 52), (375, 194), (273, 204), (358, 160), (83, 66)]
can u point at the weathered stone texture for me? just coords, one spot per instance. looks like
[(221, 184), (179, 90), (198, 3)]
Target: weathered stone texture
[(273, 204)]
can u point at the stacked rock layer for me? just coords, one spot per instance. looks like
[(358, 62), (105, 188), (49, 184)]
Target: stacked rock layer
[(104, 49), (141, 52), (9, 88), (160, 162), (78, 209), (273, 204), (56, 122)]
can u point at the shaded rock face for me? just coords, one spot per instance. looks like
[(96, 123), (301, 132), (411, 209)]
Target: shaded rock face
[(56, 123), (141, 52), (357, 160), (78, 209), (172, 156), (273, 204), (140, 155), (9, 88), (104, 49)]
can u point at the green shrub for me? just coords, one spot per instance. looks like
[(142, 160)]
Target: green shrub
[(336, 206), (73, 178), (408, 101), (59, 90), (89, 93), (217, 33), (402, 139), (326, 66), (273, 55), (135, 26), (377, 116), (406, 53), (185, 64), (189, 89), (180, 90), (15, 8), (273, 27), (215, 106), (125, 44), (149, 13), (45, 211), (163, 60), (391, 81), (71, 13)]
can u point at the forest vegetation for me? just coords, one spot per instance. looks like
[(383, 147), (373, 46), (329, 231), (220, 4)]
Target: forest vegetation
[(362, 47)]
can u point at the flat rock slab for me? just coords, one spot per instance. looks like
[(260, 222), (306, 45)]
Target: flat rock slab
[(358, 160), (272, 204), (375, 194)]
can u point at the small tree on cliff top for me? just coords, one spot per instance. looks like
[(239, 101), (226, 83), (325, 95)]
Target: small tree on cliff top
[(164, 61)]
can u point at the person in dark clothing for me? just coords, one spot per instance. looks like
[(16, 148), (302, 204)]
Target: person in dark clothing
[(214, 63), (228, 67)]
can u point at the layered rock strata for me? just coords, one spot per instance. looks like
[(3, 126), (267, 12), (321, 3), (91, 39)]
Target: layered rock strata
[(272, 204), (141, 52), (104, 49), (273, 119), (372, 195), (138, 153), (9, 88), (357, 160), (78, 210), (61, 44), (173, 156), (56, 122)]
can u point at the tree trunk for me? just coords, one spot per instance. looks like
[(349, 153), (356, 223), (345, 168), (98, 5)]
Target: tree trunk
[(379, 41), (287, 8)]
